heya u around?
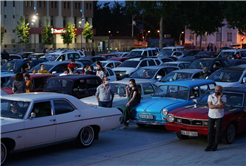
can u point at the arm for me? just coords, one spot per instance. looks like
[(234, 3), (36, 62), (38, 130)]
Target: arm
[(127, 92), (97, 93), (220, 106)]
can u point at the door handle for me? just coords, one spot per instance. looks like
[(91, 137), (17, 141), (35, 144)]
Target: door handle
[(77, 115), (52, 120)]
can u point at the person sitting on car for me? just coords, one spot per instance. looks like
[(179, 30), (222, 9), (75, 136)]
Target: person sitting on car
[(42, 70)]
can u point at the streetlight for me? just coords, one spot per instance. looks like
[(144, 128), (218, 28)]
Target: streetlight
[(148, 31), (80, 25), (180, 37), (109, 31), (158, 31), (33, 23)]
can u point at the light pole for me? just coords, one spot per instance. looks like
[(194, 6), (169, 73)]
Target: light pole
[(180, 37), (33, 22), (80, 25)]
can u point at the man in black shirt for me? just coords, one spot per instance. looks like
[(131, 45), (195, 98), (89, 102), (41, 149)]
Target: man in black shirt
[(90, 71)]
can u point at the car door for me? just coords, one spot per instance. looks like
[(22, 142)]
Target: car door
[(79, 89), (143, 63), (92, 84), (111, 75), (41, 129), (67, 120), (148, 89)]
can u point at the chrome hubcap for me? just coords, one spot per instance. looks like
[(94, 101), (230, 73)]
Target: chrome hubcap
[(3, 152), (87, 135)]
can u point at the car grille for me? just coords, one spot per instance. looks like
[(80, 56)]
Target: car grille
[(191, 122), (120, 73)]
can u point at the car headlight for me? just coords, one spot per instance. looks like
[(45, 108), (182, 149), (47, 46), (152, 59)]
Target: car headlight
[(170, 118), (205, 123), (164, 112)]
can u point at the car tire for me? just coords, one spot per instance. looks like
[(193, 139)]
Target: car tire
[(229, 134), (86, 136), (180, 136), (4, 153), (141, 125)]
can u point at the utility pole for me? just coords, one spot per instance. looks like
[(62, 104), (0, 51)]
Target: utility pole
[(132, 26)]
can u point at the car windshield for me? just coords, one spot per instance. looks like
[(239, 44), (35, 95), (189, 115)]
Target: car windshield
[(51, 57), (225, 53), (37, 67), (119, 89), (165, 53), (200, 64), (131, 64), (135, 53), (59, 85), (232, 99), (173, 91), (226, 76), (144, 73), (13, 109), (10, 66), (9, 84), (173, 76)]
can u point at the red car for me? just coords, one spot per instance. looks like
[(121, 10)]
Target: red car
[(193, 120), (38, 81)]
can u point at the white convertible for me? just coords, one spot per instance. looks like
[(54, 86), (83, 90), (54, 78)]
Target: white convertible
[(33, 119)]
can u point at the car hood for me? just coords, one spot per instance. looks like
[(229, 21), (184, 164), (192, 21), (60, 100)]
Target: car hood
[(227, 84), (156, 104), (8, 91), (92, 100), (10, 124), (191, 113)]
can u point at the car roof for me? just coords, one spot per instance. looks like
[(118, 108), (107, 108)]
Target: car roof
[(108, 61), (176, 62), (127, 82), (39, 75), (241, 68), (229, 50), (18, 60), (189, 82), (158, 67), (34, 96), (232, 89), (75, 77)]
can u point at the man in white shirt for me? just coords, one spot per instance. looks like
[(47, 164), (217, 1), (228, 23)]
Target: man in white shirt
[(216, 103), (66, 72)]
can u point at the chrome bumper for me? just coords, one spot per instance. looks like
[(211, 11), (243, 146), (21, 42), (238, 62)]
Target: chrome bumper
[(148, 122)]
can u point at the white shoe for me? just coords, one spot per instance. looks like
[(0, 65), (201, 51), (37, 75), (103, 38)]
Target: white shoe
[(128, 121), (124, 127)]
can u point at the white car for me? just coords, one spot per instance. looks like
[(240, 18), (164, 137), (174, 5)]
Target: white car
[(145, 87), (36, 119), (110, 64), (68, 55), (174, 48)]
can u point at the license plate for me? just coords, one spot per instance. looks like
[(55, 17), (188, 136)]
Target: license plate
[(146, 116), (189, 133)]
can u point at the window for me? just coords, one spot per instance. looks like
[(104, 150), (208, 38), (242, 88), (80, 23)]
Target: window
[(191, 36), (26, 3), (143, 63), (218, 36), (151, 63), (194, 92), (51, 21), (86, 5), (150, 53), (64, 22), (154, 52), (42, 109), (79, 85), (229, 36), (5, 31), (211, 86), (79, 6), (76, 56), (55, 4), (13, 16), (40, 4), (92, 83), (38, 83), (68, 5), (64, 5), (90, 6), (13, 3), (5, 3), (5, 16), (13, 31), (62, 107), (111, 65), (52, 4), (203, 89), (181, 65), (30, 3), (148, 89), (117, 64), (145, 53), (75, 5), (110, 72), (44, 4), (157, 62)]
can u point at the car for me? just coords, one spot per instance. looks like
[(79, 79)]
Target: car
[(120, 99), (180, 64), (152, 73), (24, 54), (210, 53), (174, 48), (55, 67), (121, 59), (97, 58), (131, 65), (182, 74), (120, 54), (107, 56), (3, 93), (14, 56), (5, 77), (164, 54), (37, 56), (32, 120), (236, 62), (144, 52), (188, 59), (79, 86), (232, 52), (167, 97), (85, 61), (18, 65), (110, 64), (165, 59), (230, 77), (185, 53), (67, 54), (192, 120), (38, 82), (209, 63)]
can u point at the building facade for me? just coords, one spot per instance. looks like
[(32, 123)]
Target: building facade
[(59, 13), (225, 37)]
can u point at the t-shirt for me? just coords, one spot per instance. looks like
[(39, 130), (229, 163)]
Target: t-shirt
[(43, 71), (132, 92), (100, 74), (71, 65), (215, 113), (90, 72)]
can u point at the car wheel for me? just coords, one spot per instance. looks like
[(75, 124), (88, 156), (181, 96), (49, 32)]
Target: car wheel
[(4, 153), (86, 136), (180, 136), (229, 134), (141, 125)]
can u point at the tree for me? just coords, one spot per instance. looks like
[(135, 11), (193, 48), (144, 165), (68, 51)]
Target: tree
[(2, 34), (69, 34), (22, 31), (47, 34), (203, 17), (235, 15), (87, 32)]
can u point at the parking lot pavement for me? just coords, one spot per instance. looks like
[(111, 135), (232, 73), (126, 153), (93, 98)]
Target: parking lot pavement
[(152, 145)]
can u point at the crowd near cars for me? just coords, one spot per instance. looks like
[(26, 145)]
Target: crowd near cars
[(174, 84)]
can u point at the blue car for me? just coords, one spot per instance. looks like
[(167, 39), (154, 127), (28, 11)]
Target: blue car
[(167, 97)]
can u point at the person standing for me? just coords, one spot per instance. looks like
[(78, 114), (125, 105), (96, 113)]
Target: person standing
[(100, 73), (215, 48), (84, 51), (208, 47), (105, 94), (42, 70), (44, 50), (93, 52), (132, 93), (28, 83), (19, 85), (216, 103)]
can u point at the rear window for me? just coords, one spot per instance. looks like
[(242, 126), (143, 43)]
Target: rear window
[(132, 64)]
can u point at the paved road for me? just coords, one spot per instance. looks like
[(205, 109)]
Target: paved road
[(135, 146)]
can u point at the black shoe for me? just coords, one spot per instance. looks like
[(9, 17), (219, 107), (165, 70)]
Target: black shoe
[(214, 148), (208, 148)]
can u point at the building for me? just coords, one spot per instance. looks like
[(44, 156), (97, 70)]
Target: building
[(225, 37), (59, 13)]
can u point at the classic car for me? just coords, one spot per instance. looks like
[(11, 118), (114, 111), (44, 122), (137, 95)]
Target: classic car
[(76, 85), (33, 120), (145, 87), (167, 97), (38, 82), (192, 120)]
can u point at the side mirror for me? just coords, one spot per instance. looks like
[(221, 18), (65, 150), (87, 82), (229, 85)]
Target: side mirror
[(33, 115), (54, 72), (244, 80)]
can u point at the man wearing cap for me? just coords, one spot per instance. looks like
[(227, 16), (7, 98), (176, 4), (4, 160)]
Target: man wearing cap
[(205, 73)]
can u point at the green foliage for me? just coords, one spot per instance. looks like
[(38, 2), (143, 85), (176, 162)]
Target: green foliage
[(235, 15), (69, 34), (22, 31), (87, 32), (47, 35), (2, 34)]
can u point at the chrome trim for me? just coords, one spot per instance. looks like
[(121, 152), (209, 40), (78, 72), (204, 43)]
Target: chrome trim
[(147, 122)]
